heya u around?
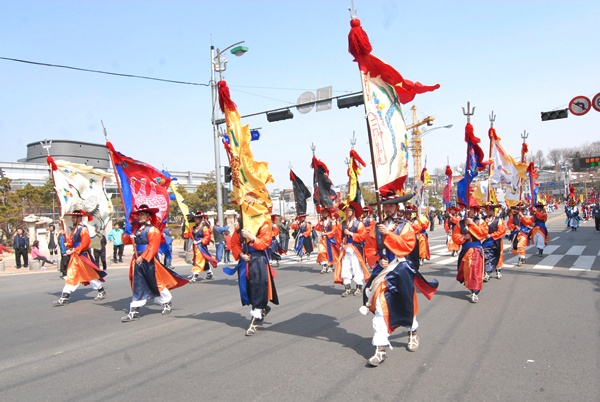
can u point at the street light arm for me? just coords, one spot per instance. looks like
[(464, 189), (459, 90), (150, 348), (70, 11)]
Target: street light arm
[(220, 52), (435, 128)]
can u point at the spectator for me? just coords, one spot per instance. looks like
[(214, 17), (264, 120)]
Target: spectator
[(219, 238), (115, 237), (169, 252), (21, 245), (52, 240), (35, 254), (596, 215), (227, 255), (99, 247), (64, 258)]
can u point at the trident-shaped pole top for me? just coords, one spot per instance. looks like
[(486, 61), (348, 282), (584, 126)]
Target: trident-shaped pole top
[(469, 112), (492, 119), (46, 145), (290, 165), (313, 148), (352, 10), (104, 128), (524, 136), (353, 140)]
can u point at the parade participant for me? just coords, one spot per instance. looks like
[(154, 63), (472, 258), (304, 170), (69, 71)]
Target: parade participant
[(469, 233), (3, 248), (200, 233), (450, 221), (573, 216), (493, 248), (304, 244), (539, 233), (329, 247), (520, 224), (351, 264), (148, 277), (219, 238), (596, 215), (255, 275), (423, 224), (274, 249), (367, 217), (81, 269), (390, 292)]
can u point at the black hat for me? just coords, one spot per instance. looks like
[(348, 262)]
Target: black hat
[(145, 208)]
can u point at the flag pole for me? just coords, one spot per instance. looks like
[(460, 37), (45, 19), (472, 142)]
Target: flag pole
[(468, 113), (523, 152), (492, 135)]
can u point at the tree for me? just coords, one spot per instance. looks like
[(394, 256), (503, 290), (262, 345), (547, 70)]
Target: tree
[(538, 159), (555, 156)]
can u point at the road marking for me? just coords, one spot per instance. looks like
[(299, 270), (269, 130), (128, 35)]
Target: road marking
[(548, 262), (575, 250), (556, 238), (583, 263), (446, 261), (436, 247), (550, 249)]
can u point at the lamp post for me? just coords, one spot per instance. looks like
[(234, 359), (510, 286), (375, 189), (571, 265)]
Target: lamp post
[(219, 64)]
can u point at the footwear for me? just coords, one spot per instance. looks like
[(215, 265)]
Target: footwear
[(486, 277), (540, 252), (252, 328), (308, 257), (265, 311), (120, 260), (63, 300), (358, 290), (210, 276), (520, 262), (134, 314), (498, 274), (324, 269), (166, 308), (377, 358), (330, 269), (101, 294), (413, 341), (347, 291), (113, 260), (194, 278), (474, 298)]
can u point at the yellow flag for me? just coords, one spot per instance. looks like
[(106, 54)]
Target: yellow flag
[(183, 206), (249, 178)]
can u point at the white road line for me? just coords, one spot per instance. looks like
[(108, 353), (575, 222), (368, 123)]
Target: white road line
[(447, 261), (556, 238), (583, 263), (548, 262), (575, 250), (550, 249), (436, 247)]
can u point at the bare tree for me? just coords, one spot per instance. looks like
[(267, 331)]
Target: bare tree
[(538, 159), (555, 156)]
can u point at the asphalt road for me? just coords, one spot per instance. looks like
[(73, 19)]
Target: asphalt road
[(533, 336)]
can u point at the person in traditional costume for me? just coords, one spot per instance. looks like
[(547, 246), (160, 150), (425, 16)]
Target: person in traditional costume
[(367, 217), (539, 233), (81, 268), (329, 247), (390, 292), (450, 221), (493, 247), (469, 233), (520, 224), (424, 253), (304, 245), (274, 249), (255, 274), (351, 264), (201, 233), (573, 216), (148, 277)]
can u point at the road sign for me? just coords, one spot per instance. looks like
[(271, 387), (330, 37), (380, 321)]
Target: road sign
[(580, 105), (591, 161), (596, 102)]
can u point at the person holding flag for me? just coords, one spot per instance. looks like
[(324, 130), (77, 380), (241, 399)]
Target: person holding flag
[(390, 293), (81, 269), (329, 248), (493, 248), (539, 233), (520, 226), (304, 244), (148, 277), (351, 264), (275, 250), (450, 221), (202, 260)]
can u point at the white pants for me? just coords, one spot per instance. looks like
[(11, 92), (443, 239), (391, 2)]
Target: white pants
[(380, 329), (351, 268), (539, 240), (96, 284), (165, 297)]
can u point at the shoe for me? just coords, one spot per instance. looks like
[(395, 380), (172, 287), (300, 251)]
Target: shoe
[(498, 274), (120, 260), (115, 261), (308, 257), (541, 252), (265, 311), (166, 308), (358, 290), (486, 277), (133, 315), (347, 291), (520, 262), (454, 253), (210, 276), (194, 278), (330, 269), (43, 268), (252, 328), (324, 270), (474, 298), (377, 358), (101, 295), (413, 341), (63, 300)]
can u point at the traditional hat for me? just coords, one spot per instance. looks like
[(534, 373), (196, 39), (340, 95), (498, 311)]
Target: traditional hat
[(274, 217), (367, 209), (354, 205), (395, 198), (540, 204), (301, 216), (79, 212), (145, 208), (489, 204), (199, 214)]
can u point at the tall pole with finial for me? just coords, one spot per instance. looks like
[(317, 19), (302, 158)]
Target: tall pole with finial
[(468, 113), (523, 152), (492, 135)]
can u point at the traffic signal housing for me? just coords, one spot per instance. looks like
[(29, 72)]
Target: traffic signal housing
[(555, 114), (227, 175)]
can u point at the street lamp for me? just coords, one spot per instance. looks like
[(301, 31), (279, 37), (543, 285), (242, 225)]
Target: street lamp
[(435, 128), (219, 64)]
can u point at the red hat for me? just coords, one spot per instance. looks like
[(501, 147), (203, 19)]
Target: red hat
[(79, 212), (199, 214), (301, 216), (354, 205), (368, 210)]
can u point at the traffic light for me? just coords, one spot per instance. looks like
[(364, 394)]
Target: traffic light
[(227, 174), (555, 114), (350, 101), (225, 191), (281, 115)]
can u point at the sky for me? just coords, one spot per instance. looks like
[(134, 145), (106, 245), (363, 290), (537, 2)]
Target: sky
[(515, 58)]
